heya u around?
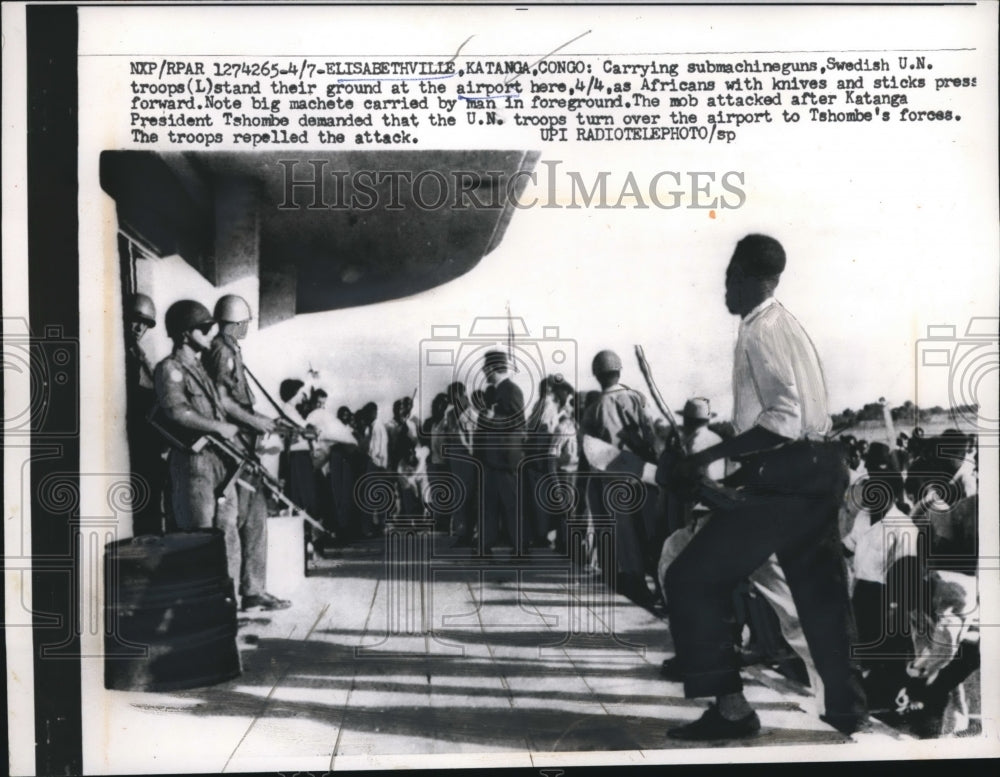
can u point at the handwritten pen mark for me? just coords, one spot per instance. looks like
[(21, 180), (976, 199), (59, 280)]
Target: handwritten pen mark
[(459, 49), (546, 56)]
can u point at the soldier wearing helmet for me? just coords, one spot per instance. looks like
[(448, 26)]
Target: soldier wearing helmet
[(145, 448), (619, 417), (223, 361), (140, 317), (190, 400)]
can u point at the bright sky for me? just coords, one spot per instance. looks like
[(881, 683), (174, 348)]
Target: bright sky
[(875, 255)]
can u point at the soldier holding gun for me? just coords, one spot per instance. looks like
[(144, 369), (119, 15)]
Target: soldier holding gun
[(202, 495), (223, 362)]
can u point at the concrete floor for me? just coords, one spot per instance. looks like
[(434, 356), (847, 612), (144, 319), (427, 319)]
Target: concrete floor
[(524, 663)]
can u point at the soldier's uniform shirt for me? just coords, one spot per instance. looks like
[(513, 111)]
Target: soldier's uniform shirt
[(182, 384), (777, 378), (224, 362), (619, 417)]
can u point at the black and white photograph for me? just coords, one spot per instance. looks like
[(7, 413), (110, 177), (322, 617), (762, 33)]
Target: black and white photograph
[(493, 386)]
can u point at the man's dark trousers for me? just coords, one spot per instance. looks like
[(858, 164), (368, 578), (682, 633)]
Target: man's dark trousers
[(500, 506), (802, 531)]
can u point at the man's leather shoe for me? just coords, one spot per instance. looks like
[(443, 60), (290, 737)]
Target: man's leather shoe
[(670, 669), (848, 724), (711, 725), (264, 601)]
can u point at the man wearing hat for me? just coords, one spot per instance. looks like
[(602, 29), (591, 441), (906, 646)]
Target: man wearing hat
[(793, 484), (681, 513), (696, 415), (145, 449), (619, 417), (189, 399), (224, 364), (697, 437), (502, 449)]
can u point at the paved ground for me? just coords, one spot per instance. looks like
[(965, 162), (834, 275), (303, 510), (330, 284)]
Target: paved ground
[(523, 659)]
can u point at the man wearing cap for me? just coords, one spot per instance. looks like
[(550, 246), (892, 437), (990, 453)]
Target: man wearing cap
[(224, 364), (502, 450), (792, 485), (200, 498), (145, 449), (619, 417)]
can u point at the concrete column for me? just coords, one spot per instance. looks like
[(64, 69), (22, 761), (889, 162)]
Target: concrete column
[(237, 231)]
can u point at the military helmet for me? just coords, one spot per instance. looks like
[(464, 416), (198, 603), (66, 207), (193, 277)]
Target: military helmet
[(606, 361), (143, 309), (185, 315), (232, 309)]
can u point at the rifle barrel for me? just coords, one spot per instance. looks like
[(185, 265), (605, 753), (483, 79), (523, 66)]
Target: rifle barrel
[(273, 485)]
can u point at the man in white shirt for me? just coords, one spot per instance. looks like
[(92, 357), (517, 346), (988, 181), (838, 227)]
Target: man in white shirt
[(791, 488)]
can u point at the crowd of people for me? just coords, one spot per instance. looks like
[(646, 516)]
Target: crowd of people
[(755, 516)]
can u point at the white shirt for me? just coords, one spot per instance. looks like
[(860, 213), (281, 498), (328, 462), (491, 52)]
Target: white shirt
[(330, 428), (462, 425), (378, 445), (777, 378), (300, 443), (700, 439), (878, 547)]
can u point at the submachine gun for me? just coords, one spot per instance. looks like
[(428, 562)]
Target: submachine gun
[(290, 432), (241, 462)]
